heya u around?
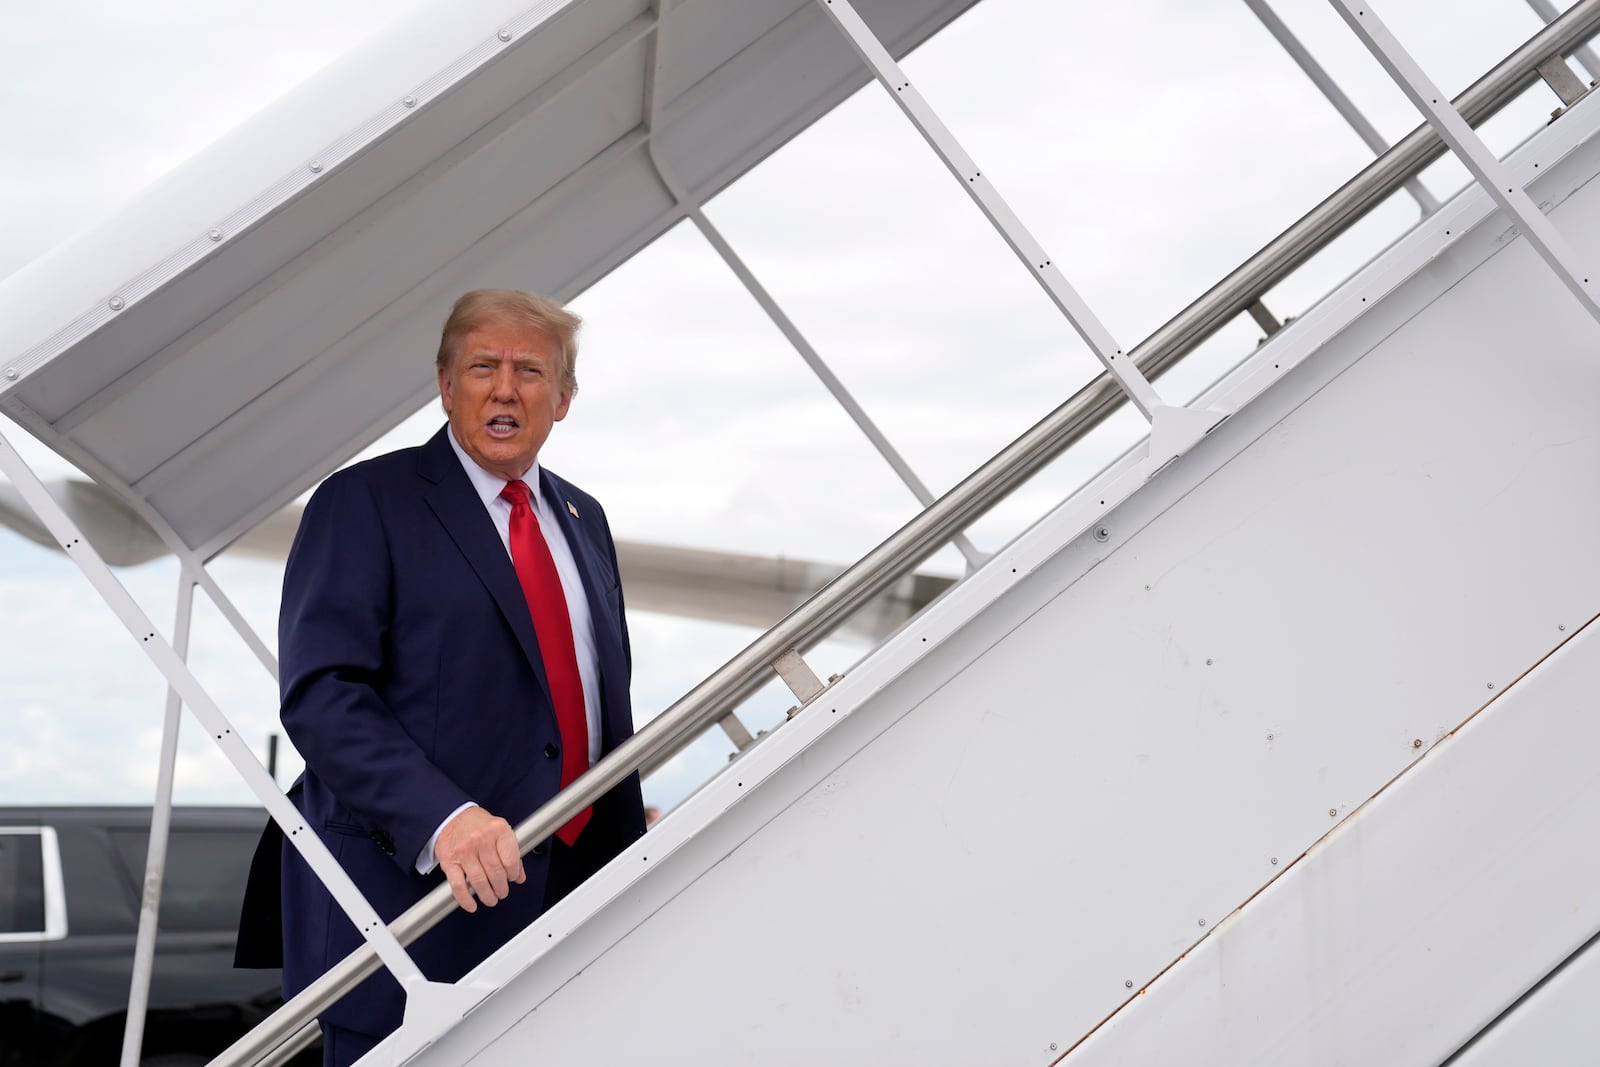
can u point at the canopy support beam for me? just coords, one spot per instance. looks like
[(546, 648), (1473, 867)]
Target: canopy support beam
[(1492, 175), (693, 209), (1336, 96), (1174, 428), (295, 830), (155, 861)]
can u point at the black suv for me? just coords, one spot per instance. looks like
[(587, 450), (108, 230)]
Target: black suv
[(70, 883)]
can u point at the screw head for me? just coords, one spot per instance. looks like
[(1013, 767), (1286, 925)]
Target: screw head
[(504, 35), (1562, 627), (215, 235), (1202, 922), (1274, 861), (1208, 663), (316, 166), (410, 101), (1333, 813), (1052, 1046), (1102, 534), (1272, 737), (1491, 685), (1416, 743), (116, 303), (1127, 983)]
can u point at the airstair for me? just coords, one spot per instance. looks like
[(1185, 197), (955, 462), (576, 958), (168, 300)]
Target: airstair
[(1270, 744)]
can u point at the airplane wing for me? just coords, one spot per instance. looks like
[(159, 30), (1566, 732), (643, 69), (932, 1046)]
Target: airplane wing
[(694, 583)]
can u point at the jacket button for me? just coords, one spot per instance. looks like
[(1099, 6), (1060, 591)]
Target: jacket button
[(551, 751)]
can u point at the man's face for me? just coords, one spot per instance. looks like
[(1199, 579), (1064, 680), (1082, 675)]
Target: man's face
[(502, 390)]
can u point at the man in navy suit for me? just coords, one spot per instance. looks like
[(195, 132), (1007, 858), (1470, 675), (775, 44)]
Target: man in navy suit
[(453, 653)]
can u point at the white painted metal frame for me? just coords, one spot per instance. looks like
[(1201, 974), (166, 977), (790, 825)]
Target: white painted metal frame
[(692, 208), (1309, 333), (191, 559), (55, 896), (796, 674), (1329, 88), (1173, 429), (1105, 506), (1486, 169), (184, 683), (155, 863)]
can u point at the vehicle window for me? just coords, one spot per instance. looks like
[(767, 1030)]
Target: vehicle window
[(205, 878), (21, 884)]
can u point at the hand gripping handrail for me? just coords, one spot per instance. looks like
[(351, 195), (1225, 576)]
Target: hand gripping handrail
[(706, 703)]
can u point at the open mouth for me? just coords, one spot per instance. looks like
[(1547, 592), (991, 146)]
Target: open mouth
[(503, 426)]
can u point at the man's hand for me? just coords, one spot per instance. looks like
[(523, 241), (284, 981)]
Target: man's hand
[(478, 853)]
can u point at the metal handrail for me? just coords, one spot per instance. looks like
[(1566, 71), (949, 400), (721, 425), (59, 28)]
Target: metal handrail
[(701, 708)]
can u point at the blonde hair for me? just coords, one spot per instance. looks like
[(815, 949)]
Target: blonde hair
[(484, 307)]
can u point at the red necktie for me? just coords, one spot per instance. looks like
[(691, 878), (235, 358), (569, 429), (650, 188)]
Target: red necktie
[(547, 603)]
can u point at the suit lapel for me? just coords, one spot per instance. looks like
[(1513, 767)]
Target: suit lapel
[(461, 511), (608, 641)]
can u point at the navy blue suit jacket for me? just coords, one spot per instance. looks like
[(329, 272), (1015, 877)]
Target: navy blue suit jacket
[(412, 683)]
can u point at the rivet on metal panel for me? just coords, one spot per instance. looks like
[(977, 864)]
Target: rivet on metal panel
[(1127, 983), (1274, 861), (1208, 663), (316, 166), (410, 101), (215, 235), (12, 374), (1052, 1046), (1102, 534), (1491, 685), (115, 303), (1333, 813), (1562, 627), (1416, 743), (504, 35), (1272, 737), (1202, 922)]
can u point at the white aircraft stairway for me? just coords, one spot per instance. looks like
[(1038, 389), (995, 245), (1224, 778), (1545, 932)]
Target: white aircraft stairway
[(1271, 744), (1282, 754)]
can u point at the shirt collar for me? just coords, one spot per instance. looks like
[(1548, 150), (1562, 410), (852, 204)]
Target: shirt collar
[(487, 484)]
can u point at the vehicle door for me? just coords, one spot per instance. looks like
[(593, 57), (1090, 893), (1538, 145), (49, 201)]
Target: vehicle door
[(201, 893), (32, 912)]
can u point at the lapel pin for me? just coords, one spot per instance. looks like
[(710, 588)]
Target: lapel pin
[(573, 510)]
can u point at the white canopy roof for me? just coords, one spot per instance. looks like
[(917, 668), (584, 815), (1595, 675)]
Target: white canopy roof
[(265, 311)]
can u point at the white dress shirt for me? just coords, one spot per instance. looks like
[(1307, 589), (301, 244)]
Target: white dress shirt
[(488, 487)]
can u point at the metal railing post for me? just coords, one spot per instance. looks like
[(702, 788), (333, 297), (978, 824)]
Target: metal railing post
[(1585, 55)]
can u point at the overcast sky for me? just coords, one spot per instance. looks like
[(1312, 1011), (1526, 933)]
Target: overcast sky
[(1150, 145)]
